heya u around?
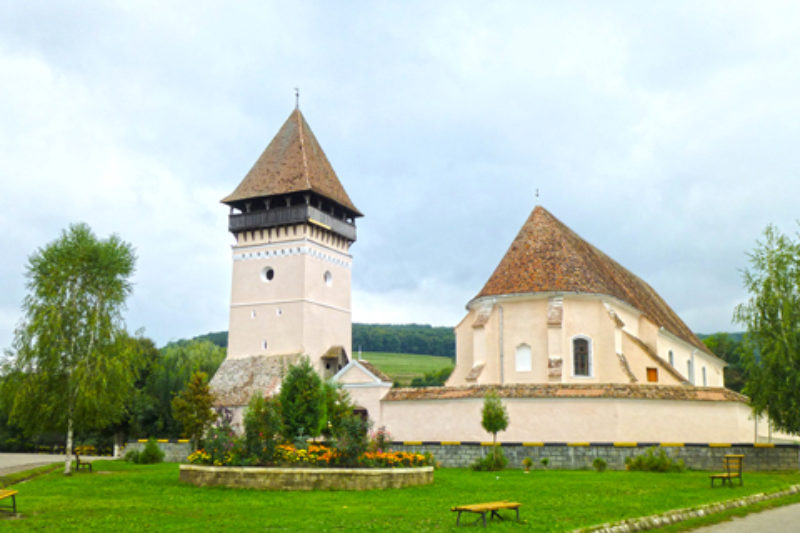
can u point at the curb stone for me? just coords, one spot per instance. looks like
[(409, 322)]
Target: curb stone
[(679, 515)]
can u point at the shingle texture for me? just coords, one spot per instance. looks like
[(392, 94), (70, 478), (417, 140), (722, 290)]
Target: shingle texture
[(565, 390), (293, 162), (236, 380), (547, 256), (375, 370)]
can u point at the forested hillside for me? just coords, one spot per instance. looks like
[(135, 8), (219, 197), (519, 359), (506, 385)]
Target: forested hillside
[(405, 338)]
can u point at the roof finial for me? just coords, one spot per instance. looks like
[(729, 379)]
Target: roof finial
[(297, 98), (537, 195)]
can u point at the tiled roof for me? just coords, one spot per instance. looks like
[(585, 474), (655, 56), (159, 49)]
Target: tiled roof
[(547, 256), (293, 162), (565, 390), (237, 379), (375, 370)]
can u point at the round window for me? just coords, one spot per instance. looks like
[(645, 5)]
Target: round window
[(328, 277), (267, 274)]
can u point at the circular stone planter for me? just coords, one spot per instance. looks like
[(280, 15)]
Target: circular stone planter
[(268, 478)]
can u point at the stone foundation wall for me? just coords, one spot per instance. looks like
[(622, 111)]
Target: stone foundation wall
[(576, 456), (174, 451), (306, 478)]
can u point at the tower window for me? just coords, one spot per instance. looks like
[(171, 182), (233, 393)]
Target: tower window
[(581, 357), (252, 314), (267, 274), (264, 344), (671, 358), (328, 277)]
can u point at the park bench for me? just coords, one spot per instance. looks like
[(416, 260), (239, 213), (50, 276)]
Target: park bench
[(483, 508), (4, 493), (732, 464), (86, 465)]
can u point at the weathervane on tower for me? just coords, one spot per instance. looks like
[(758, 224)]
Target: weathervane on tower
[(297, 98)]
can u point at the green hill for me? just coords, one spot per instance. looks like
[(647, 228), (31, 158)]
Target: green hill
[(403, 367)]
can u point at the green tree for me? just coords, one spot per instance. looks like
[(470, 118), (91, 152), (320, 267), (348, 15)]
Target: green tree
[(772, 317), (193, 408), (67, 370), (494, 418), (729, 348), (338, 406), (302, 401), (262, 424)]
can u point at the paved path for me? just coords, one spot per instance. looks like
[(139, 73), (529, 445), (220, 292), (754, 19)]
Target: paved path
[(779, 520), (14, 462)]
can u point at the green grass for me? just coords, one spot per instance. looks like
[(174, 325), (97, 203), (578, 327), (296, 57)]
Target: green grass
[(124, 497), (403, 367)]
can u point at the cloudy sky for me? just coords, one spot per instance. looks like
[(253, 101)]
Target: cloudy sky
[(664, 133)]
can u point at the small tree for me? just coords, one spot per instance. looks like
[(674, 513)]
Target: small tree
[(69, 370), (494, 418), (192, 408), (338, 406), (262, 423), (302, 401)]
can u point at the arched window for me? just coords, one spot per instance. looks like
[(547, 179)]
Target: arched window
[(671, 358), (523, 358), (581, 356)]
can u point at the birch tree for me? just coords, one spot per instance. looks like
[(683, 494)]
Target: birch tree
[(772, 317), (70, 367)]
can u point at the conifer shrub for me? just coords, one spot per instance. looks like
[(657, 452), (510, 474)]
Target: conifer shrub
[(491, 462), (599, 464), (650, 461), (262, 425), (151, 454)]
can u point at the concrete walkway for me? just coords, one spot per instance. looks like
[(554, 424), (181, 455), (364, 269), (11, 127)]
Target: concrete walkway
[(779, 520), (14, 462)]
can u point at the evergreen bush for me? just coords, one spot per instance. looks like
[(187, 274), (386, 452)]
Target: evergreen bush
[(491, 462), (650, 461)]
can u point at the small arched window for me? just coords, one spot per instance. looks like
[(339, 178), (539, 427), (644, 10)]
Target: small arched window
[(671, 358), (523, 358), (581, 356)]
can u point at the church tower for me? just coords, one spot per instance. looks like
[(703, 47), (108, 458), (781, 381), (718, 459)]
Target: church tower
[(293, 224)]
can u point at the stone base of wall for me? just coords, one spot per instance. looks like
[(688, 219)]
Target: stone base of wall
[(306, 478), (577, 456), (174, 452)]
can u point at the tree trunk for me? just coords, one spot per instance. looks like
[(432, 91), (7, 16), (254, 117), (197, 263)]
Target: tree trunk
[(68, 451), (494, 449)]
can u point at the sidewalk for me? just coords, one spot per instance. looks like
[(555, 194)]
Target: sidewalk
[(778, 520), (14, 462)]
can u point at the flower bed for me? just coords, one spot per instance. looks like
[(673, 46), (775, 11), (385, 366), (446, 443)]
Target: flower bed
[(311, 478), (317, 455)]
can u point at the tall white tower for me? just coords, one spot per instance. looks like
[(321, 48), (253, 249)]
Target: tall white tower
[(293, 224)]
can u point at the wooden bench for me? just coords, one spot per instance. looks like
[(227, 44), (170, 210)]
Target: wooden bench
[(9, 494), (82, 465), (732, 464), (483, 508)]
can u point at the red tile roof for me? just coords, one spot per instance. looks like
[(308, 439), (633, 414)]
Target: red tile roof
[(293, 162), (547, 256), (566, 390)]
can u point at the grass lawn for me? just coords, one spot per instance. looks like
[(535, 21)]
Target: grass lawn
[(403, 367), (123, 497)]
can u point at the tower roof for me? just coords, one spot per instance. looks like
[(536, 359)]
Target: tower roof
[(293, 162), (547, 256)]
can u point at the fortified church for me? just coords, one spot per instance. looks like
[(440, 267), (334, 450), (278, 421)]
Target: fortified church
[(578, 347)]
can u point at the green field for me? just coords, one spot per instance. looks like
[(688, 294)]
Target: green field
[(403, 367), (123, 497)]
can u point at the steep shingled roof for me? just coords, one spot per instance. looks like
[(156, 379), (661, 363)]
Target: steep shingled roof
[(547, 256), (293, 162)]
